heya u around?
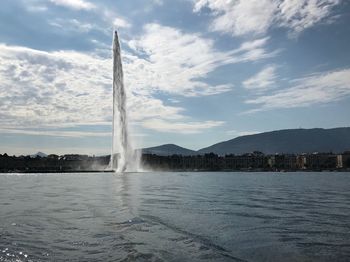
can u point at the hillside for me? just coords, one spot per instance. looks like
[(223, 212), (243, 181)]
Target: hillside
[(40, 154), (286, 141), (168, 149)]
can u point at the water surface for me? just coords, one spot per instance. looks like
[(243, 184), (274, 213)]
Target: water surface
[(175, 217)]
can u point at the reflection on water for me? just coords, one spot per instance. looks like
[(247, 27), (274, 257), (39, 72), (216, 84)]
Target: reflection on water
[(175, 217)]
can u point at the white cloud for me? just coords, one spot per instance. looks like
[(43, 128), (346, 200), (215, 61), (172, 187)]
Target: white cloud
[(301, 14), (180, 127), (145, 106), (238, 17), (177, 63), (76, 134), (121, 23), (73, 25), (69, 88), (263, 80), (39, 88), (314, 89), (64, 88), (109, 18), (113, 19), (74, 4)]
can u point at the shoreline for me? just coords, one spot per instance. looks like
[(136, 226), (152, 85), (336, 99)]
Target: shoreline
[(172, 171)]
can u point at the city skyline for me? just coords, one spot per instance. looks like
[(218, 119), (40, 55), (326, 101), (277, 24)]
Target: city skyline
[(196, 72)]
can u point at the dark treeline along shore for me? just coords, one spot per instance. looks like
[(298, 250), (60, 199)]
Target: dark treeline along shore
[(297, 149), (255, 161)]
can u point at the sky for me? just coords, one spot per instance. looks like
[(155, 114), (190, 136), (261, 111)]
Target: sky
[(197, 72)]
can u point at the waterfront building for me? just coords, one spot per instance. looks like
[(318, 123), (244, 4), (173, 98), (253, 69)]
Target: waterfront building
[(285, 162), (321, 161), (301, 161), (343, 160)]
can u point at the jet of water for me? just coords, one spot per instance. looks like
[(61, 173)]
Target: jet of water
[(123, 157)]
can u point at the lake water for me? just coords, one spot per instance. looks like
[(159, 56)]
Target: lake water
[(175, 217)]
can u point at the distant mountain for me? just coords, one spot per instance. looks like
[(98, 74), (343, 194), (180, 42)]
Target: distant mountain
[(41, 154), (286, 141), (168, 149)]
